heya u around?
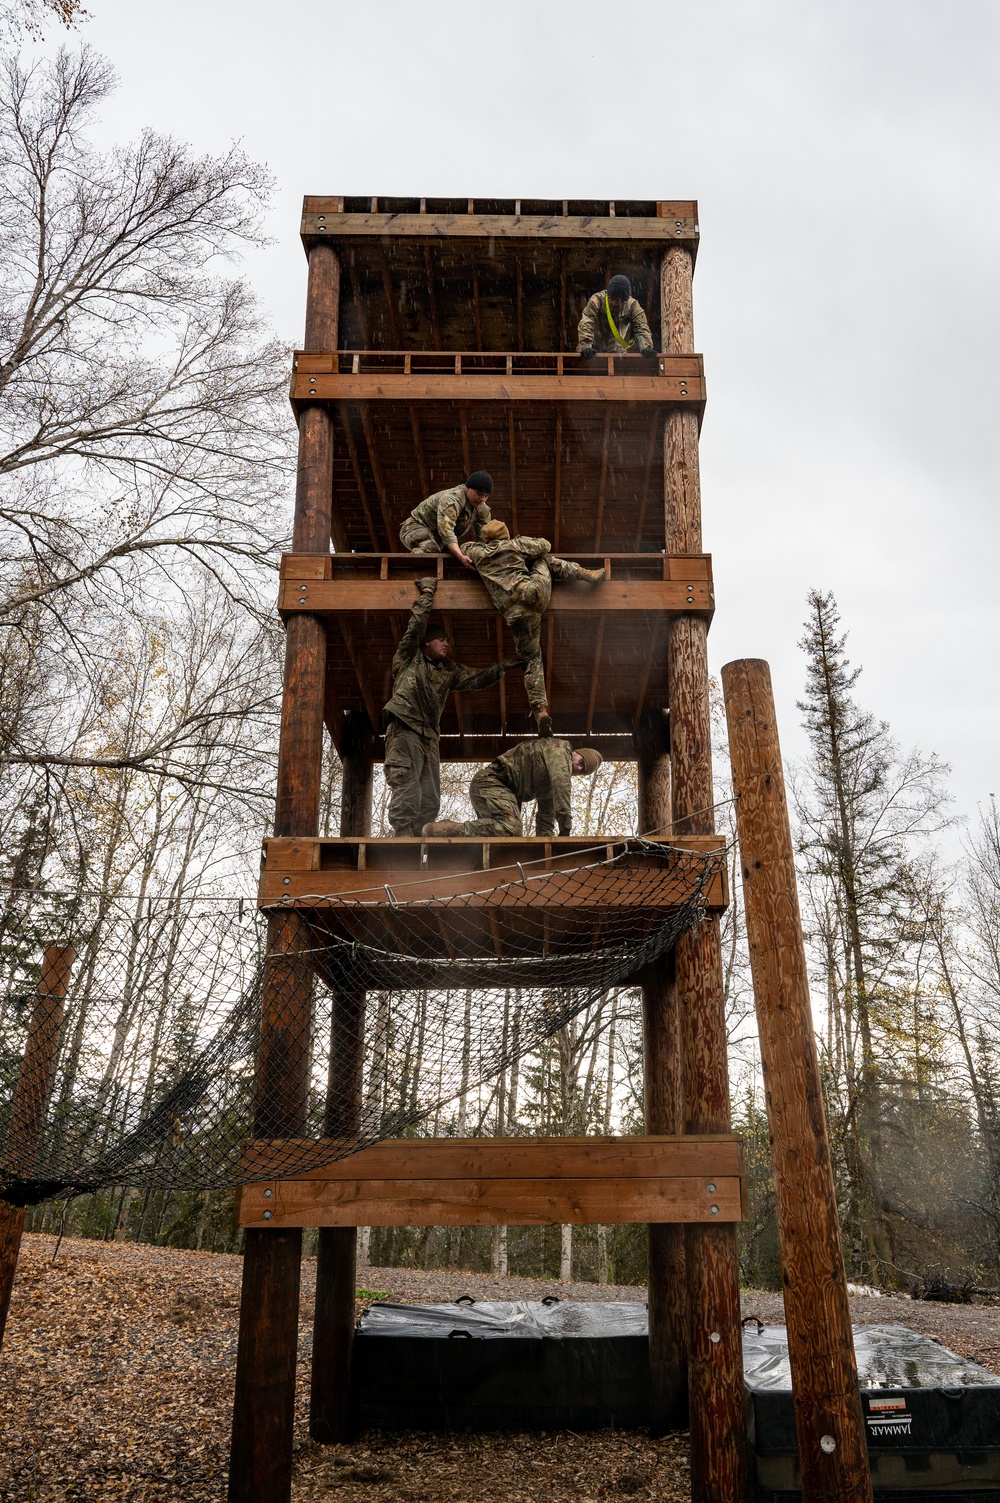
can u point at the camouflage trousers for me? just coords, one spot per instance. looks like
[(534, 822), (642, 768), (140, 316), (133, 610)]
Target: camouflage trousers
[(499, 812), (413, 773), (525, 621), (416, 538)]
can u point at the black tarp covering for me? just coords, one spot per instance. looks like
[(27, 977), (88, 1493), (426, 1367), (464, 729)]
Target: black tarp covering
[(932, 1418), (502, 1366)]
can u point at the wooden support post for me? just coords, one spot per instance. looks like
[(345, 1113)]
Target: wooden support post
[(828, 1417), (31, 1099), (260, 1464), (715, 1355), (662, 1102), (336, 1254)]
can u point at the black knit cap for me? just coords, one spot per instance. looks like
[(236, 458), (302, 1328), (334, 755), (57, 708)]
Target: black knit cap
[(479, 480), (434, 631), (620, 286)]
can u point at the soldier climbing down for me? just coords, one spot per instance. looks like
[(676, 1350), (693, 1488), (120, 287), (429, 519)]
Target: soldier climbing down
[(423, 675), (437, 524), (518, 573), (538, 770), (613, 323)]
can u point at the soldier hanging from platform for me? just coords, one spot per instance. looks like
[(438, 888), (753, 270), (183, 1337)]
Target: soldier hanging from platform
[(614, 323), (423, 675), (437, 524), (539, 770), (518, 573)]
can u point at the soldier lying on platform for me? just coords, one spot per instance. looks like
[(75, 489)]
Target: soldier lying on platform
[(437, 524), (613, 323), (518, 573), (423, 675), (532, 770)]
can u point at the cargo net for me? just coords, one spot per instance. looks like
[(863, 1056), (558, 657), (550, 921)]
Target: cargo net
[(203, 1044)]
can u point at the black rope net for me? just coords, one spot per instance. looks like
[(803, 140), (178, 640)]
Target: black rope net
[(202, 1044)]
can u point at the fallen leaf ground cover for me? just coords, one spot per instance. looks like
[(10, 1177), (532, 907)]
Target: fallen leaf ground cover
[(116, 1382)]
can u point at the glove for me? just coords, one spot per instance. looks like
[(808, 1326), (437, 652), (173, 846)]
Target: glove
[(649, 354), (588, 352)]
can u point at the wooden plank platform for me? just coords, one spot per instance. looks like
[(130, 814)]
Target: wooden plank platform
[(437, 870), (504, 1181)]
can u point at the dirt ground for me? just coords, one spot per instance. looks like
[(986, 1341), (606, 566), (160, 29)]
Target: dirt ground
[(117, 1374)]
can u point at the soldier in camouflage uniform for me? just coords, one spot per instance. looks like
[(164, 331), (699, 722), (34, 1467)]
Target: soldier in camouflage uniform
[(423, 675), (538, 770), (518, 573), (613, 323), (437, 524)]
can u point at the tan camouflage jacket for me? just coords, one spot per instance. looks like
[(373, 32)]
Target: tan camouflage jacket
[(420, 687), (449, 515), (542, 770), (503, 564), (595, 331)]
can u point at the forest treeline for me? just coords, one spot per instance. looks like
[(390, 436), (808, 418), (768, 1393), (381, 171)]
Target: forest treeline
[(146, 465)]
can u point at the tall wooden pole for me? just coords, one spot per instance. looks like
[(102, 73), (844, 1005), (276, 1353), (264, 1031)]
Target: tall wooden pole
[(663, 1110), (828, 1418), (715, 1355), (336, 1260), (30, 1103), (260, 1466)]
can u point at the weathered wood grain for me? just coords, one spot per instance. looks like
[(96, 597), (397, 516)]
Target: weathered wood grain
[(336, 1252), (328, 597), (489, 1202), (656, 1156), (373, 386), (715, 1363), (820, 1345), (29, 1104)]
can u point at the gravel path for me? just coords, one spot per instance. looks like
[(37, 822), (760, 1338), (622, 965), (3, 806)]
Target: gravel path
[(117, 1374)]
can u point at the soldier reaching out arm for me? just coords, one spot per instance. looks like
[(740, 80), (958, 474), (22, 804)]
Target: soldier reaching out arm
[(423, 675), (439, 522), (538, 770), (613, 323)]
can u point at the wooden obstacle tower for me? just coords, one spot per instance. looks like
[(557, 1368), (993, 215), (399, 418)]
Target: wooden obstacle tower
[(439, 339)]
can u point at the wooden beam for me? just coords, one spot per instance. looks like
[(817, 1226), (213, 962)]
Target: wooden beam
[(565, 229), (29, 1105), (418, 449), (360, 669), (512, 465), (342, 596), (432, 297), (557, 486), (376, 469), (563, 330), (603, 482), (390, 300), (829, 1422), (715, 1352), (654, 433), (476, 309), (595, 674), (359, 302), (656, 1156), (352, 452), (463, 423), (454, 1202), (491, 386), (520, 300)]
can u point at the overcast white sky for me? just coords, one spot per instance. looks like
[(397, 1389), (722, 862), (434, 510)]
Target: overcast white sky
[(844, 155)]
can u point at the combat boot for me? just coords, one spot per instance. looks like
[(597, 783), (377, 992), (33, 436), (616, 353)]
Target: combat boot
[(544, 722), (593, 576), (444, 827)]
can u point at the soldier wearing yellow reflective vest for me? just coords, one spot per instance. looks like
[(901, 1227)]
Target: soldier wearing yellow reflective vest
[(614, 323)]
